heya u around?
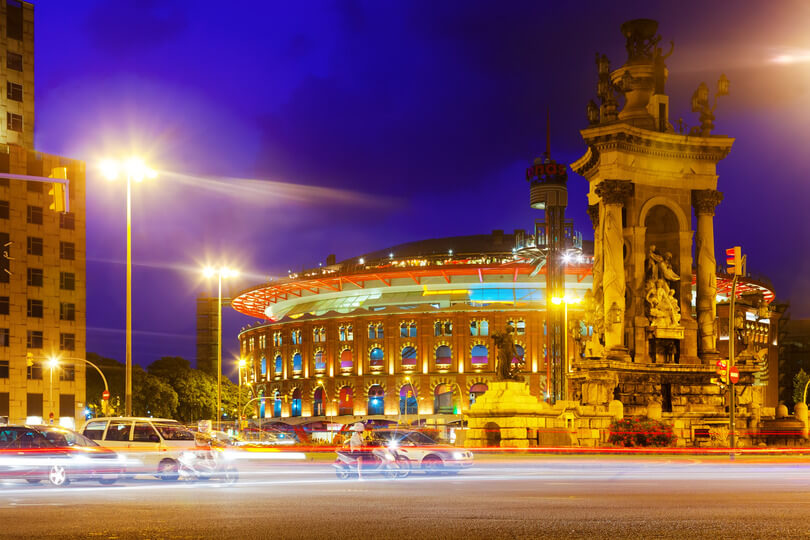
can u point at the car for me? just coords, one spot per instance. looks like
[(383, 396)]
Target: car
[(56, 454), (152, 445), (416, 450)]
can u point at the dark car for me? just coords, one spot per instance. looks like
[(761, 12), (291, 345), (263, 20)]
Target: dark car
[(56, 454)]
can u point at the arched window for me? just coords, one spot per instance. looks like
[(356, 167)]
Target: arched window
[(346, 360), (476, 390), (277, 405), (278, 366), (298, 364), (376, 400), (317, 402), (480, 355), (264, 366), (261, 404), (407, 400), (296, 403), (408, 357), (443, 399), (444, 356), (345, 401), (519, 356), (376, 358), (320, 364)]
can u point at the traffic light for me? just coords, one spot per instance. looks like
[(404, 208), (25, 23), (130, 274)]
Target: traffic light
[(722, 374), (57, 190), (734, 260)]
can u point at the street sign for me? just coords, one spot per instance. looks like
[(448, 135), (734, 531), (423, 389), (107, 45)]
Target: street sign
[(734, 374), (105, 395)]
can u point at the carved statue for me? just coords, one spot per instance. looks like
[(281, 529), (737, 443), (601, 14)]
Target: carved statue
[(662, 306), (665, 269), (659, 73), (505, 370), (654, 260), (641, 39)]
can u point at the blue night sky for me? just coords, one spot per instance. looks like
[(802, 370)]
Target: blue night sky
[(285, 131)]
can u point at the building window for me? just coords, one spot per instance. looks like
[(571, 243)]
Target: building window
[(298, 363), (67, 251), (3, 369), (67, 342), (444, 357), (14, 61), (295, 335), (14, 122), (320, 364), (345, 333), (35, 371), (14, 24), (34, 215), (278, 365), (33, 187), (5, 259), (67, 311), (35, 308), (34, 340), (376, 359), (5, 337), (262, 341), (251, 344), (375, 331), (346, 360), (479, 328), (519, 326), (480, 356), (407, 329), (34, 245), (67, 220), (408, 357), (67, 372), (35, 277), (442, 328), (277, 339), (318, 335), (14, 91), (4, 305), (67, 281), (4, 210)]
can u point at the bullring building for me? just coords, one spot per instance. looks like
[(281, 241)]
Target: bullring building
[(406, 330)]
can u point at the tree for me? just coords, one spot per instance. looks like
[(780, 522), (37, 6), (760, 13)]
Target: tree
[(115, 373), (152, 396), (799, 382), (169, 368), (197, 396)]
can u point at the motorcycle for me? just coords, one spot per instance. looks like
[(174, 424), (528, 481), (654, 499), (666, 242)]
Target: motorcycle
[(376, 460), (207, 464)]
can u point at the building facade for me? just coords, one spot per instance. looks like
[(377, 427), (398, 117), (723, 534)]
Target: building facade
[(42, 280)]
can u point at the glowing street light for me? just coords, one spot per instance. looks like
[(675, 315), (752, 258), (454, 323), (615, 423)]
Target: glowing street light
[(565, 301), (134, 169), (222, 272), (241, 365)]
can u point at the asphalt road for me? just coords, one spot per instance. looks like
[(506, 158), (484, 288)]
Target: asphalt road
[(549, 497)]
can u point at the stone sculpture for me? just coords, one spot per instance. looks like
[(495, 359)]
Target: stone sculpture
[(505, 369)]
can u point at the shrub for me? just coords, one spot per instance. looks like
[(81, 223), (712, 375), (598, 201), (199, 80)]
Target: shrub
[(640, 432)]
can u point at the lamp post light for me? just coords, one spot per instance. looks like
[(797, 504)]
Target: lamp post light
[(136, 170), (565, 301), (240, 366), (53, 363), (221, 272)]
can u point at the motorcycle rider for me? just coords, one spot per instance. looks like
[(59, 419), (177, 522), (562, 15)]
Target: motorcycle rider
[(356, 447)]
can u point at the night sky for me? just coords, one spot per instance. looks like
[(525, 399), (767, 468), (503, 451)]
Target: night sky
[(286, 131)]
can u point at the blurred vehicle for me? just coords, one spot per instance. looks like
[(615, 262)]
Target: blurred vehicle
[(56, 454), (253, 438), (212, 464), (423, 453), (156, 444), (377, 459)]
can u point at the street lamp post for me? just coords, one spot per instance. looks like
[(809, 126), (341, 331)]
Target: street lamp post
[(241, 366), (565, 301), (136, 170), (221, 272), (55, 360), (53, 363)]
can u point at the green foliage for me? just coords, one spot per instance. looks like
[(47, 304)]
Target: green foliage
[(152, 396), (799, 382), (640, 432)]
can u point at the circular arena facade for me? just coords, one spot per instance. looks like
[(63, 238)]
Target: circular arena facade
[(403, 331)]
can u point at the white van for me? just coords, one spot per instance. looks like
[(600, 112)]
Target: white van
[(155, 444)]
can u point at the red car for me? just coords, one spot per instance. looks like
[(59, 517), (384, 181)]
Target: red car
[(56, 454)]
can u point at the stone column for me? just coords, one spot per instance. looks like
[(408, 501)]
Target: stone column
[(613, 193), (704, 201), (593, 212)]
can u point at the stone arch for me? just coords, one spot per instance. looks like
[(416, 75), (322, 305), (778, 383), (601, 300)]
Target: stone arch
[(373, 382), (684, 224), (492, 435)]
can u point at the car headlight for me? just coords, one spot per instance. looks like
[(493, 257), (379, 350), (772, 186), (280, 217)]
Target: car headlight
[(458, 455)]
